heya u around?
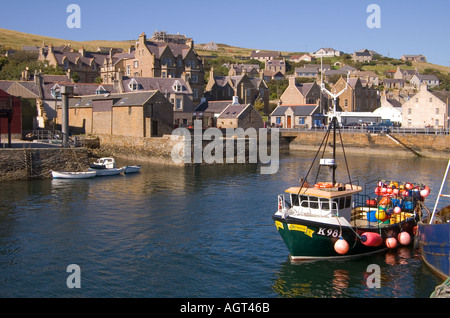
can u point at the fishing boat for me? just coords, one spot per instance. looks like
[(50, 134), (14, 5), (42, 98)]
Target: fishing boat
[(132, 169), (434, 236), (73, 175), (329, 219)]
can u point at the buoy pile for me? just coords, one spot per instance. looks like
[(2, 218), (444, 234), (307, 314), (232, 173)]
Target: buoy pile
[(397, 199)]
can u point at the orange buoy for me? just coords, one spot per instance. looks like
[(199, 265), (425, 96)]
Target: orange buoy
[(341, 246), (391, 242), (371, 239), (404, 238), (424, 193)]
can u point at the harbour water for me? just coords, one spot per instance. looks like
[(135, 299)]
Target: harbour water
[(189, 232)]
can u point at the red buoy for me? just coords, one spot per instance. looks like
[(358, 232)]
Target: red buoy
[(341, 246), (371, 239), (391, 242), (397, 210), (404, 238)]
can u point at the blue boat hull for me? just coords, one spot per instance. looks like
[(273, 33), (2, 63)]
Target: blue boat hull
[(434, 240)]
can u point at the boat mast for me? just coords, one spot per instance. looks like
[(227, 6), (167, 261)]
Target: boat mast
[(332, 115)]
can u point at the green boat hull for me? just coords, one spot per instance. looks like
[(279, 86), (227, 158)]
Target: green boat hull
[(312, 240)]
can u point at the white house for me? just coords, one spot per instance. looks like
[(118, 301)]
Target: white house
[(390, 109)]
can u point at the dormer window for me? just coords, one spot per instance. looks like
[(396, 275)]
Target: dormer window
[(133, 85), (101, 90), (55, 91), (177, 87)]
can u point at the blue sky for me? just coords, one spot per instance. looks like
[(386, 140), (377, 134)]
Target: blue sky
[(407, 26)]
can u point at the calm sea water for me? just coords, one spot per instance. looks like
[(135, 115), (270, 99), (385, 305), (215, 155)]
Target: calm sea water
[(175, 232)]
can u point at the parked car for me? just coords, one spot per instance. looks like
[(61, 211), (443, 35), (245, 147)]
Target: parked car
[(380, 128)]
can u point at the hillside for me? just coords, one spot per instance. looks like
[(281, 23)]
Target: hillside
[(15, 40), (10, 39)]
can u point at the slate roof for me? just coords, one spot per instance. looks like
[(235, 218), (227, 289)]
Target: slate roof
[(119, 100), (233, 111), (215, 107), (164, 85), (299, 110)]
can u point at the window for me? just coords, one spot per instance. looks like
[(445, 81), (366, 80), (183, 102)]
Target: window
[(179, 104), (194, 78), (409, 111), (195, 93), (294, 199), (129, 110), (436, 122), (431, 99), (301, 120), (136, 64), (128, 70), (177, 86), (164, 74), (437, 111), (278, 120)]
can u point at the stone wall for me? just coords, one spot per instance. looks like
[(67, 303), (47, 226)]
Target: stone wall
[(37, 163), (433, 146)]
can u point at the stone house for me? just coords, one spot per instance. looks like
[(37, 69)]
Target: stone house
[(356, 98), (394, 83), (300, 94), (424, 79), (426, 109), (300, 58), (405, 74), (390, 109), (247, 89), (362, 56), (176, 90), (414, 58), (296, 116), (327, 52), (137, 114), (237, 115), (241, 69), (368, 76), (208, 111), (176, 58), (85, 64), (264, 56), (276, 66)]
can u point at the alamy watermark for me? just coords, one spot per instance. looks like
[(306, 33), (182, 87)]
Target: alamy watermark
[(252, 146), (74, 279), (374, 19), (374, 279), (74, 19)]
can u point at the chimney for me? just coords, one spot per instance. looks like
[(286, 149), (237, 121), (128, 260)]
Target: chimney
[(292, 81), (82, 51), (235, 100)]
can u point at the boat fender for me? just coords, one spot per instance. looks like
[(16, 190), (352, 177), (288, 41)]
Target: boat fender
[(397, 210), (404, 238), (391, 242), (371, 239), (341, 246)]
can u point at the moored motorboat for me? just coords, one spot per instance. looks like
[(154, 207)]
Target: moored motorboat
[(132, 169), (73, 175), (434, 236), (106, 167)]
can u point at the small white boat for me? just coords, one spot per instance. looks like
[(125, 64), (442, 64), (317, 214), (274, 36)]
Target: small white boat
[(132, 169), (107, 172), (104, 163), (73, 175)]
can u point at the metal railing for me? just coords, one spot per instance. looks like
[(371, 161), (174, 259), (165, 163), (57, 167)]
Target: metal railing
[(369, 129)]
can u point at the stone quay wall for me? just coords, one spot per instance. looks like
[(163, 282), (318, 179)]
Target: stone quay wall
[(37, 163), (432, 146)]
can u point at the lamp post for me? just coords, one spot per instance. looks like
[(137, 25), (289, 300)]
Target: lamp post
[(65, 92)]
